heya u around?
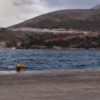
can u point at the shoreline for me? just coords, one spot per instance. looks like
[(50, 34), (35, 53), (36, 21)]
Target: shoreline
[(53, 49), (51, 71)]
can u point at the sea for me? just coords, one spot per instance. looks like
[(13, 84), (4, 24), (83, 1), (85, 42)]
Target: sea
[(49, 59)]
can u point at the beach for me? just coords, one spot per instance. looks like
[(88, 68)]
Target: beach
[(50, 85)]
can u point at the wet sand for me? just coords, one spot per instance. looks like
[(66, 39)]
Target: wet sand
[(51, 85)]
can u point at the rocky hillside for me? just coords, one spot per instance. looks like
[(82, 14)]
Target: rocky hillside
[(53, 39), (86, 20), (62, 29)]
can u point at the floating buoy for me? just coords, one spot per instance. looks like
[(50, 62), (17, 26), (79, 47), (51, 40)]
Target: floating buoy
[(19, 67)]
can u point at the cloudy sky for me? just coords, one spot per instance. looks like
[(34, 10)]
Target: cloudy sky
[(15, 11)]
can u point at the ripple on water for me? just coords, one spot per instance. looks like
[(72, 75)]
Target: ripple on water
[(49, 59)]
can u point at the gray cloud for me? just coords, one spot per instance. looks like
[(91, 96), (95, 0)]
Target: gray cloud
[(73, 4), (58, 3), (22, 2), (20, 10)]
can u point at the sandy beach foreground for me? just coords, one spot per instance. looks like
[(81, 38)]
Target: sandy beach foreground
[(51, 85)]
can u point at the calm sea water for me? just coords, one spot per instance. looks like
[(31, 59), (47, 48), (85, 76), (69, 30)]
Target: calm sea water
[(49, 59)]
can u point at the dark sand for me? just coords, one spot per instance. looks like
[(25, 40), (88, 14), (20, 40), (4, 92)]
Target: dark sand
[(51, 85)]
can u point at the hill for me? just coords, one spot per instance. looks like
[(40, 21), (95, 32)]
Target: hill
[(96, 7), (78, 19), (75, 28)]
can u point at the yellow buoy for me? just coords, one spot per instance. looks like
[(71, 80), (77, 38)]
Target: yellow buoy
[(19, 67)]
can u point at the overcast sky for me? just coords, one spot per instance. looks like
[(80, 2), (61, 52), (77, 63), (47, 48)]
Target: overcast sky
[(15, 11)]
